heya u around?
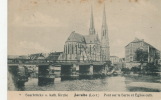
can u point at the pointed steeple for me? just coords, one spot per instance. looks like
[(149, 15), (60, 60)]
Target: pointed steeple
[(104, 30), (104, 25), (91, 29), (104, 39)]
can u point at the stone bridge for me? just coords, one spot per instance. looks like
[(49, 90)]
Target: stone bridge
[(65, 68)]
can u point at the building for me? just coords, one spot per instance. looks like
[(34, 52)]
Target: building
[(152, 54), (88, 47), (37, 56), (17, 58), (53, 56), (122, 62), (117, 62), (114, 59)]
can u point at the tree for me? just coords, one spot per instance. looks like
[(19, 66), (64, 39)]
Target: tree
[(141, 57), (157, 57), (151, 68), (135, 69), (125, 70)]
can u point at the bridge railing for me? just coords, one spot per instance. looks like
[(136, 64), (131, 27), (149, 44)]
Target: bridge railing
[(45, 61)]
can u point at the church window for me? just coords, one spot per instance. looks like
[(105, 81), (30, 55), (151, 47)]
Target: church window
[(68, 48), (72, 49), (80, 49), (76, 48), (94, 49)]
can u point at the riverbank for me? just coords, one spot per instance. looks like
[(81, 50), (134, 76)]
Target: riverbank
[(144, 82), (144, 78)]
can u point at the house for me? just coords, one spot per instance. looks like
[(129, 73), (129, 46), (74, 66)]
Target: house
[(151, 54)]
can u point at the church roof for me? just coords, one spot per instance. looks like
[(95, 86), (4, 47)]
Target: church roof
[(92, 39), (75, 37)]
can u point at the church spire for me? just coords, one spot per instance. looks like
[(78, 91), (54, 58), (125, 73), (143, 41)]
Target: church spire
[(104, 30), (91, 29), (104, 38), (104, 25)]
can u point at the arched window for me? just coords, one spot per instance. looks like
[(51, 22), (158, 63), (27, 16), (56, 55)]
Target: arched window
[(80, 48), (72, 48), (94, 52), (68, 48), (94, 48), (76, 48)]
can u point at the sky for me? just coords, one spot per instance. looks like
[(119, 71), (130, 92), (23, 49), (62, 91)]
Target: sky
[(36, 26)]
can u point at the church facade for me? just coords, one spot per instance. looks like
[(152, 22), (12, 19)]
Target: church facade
[(88, 47)]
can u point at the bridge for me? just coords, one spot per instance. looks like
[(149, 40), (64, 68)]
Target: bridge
[(70, 68)]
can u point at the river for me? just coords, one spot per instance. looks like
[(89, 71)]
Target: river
[(108, 83)]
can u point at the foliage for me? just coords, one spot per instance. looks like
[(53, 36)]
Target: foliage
[(141, 55), (151, 68), (125, 70), (135, 69)]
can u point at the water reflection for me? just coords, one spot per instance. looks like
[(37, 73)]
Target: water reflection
[(12, 84), (108, 83), (120, 81)]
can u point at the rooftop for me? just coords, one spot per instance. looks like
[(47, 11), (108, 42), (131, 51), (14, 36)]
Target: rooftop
[(76, 37), (136, 40)]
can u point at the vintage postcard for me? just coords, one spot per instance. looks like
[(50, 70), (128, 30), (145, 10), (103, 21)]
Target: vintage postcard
[(84, 49)]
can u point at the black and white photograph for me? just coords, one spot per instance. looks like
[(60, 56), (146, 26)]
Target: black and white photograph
[(84, 45)]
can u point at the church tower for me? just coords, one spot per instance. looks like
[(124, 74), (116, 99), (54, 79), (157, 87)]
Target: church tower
[(105, 48), (91, 29)]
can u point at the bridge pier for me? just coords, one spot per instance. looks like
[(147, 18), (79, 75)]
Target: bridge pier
[(86, 71), (69, 71), (45, 75), (19, 75), (57, 70), (99, 71)]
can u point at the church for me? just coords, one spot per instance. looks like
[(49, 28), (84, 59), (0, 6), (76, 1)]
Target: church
[(88, 47)]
